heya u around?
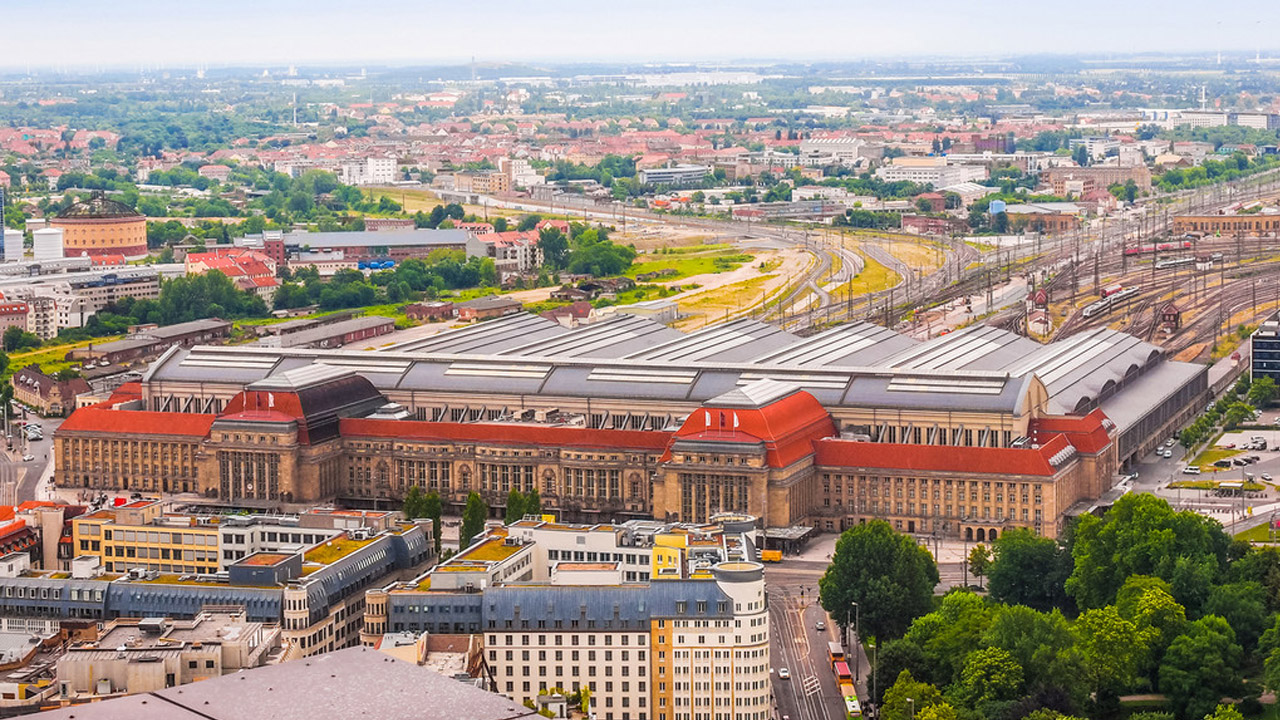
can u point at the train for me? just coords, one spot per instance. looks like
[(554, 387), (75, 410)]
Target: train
[(1174, 262), (1105, 304), (1159, 247)]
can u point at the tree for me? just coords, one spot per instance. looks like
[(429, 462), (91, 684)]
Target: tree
[(907, 696), (979, 561), (1000, 222), (554, 246), (473, 519), (413, 501), (990, 674), (886, 573), (1243, 606), (1112, 650), (1222, 712), (434, 509), (499, 224), (1142, 535), (1159, 613), (949, 634), (1201, 667), (1028, 570), (515, 506), (1041, 643), (528, 222), (15, 338), (1262, 392), (533, 503)]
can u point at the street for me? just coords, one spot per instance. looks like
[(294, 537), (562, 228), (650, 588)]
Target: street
[(25, 476), (811, 692)]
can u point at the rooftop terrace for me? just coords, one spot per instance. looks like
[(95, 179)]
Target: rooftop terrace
[(334, 550)]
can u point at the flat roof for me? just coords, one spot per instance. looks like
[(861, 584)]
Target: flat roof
[(379, 238)]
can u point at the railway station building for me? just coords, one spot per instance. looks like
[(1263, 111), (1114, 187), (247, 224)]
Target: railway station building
[(964, 435)]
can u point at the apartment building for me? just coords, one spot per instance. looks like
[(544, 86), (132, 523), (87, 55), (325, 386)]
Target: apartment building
[(140, 535), (130, 656), (316, 594), (661, 621)]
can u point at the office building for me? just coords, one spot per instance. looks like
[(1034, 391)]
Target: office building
[(675, 174), (660, 621)]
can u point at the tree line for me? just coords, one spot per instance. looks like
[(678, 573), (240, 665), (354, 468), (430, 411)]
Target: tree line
[(1143, 599)]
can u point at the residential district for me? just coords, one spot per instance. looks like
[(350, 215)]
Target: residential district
[(684, 394)]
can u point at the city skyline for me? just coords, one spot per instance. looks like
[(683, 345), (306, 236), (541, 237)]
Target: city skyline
[(292, 32)]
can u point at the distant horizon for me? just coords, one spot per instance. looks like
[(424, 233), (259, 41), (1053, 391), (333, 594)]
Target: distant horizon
[(80, 34), (1234, 61)]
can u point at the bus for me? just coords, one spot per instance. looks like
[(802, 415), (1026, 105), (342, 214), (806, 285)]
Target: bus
[(835, 653), (852, 709), (843, 676)]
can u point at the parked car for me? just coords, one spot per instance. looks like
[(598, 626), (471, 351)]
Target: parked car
[(820, 625), (1266, 477), (1167, 453), (28, 458), (1191, 470)]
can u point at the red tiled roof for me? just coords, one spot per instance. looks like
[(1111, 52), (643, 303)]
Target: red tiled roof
[(788, 427), (833, 452), (1089, 433), (126, 392), (12, 528), (506, 434), (260, 416), (137, 422)]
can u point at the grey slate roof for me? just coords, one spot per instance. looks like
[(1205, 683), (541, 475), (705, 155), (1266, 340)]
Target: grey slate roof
[(352, 683)]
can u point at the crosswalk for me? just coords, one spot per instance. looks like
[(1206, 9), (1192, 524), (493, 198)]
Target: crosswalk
[(812, 685)]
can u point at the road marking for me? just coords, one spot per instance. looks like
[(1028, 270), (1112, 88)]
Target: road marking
[(812, 685)]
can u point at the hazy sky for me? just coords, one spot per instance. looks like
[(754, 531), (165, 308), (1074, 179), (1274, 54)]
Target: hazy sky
[(133, 32)]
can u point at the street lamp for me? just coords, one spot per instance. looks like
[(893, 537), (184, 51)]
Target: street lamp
[(911, 705), (857, 637)]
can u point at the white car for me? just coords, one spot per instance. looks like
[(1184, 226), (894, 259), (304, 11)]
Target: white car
[(1191, 470), (784, 674), (1266, 477), (1167, 453), (28, 458)]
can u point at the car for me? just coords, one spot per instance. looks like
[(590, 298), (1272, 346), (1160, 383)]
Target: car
[(784, 674), (1169, 442), (1231, 446), (820, 626), (28, 458), (1168, 453), (1266, 476), (1191, 470)]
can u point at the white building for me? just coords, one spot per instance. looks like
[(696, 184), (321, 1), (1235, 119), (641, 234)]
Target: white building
[(47, 244), (846, 149), (932, 170), (13, 247), (679, 174)]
